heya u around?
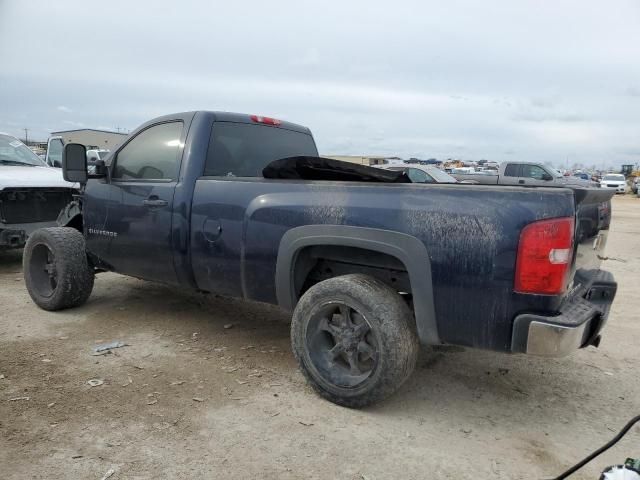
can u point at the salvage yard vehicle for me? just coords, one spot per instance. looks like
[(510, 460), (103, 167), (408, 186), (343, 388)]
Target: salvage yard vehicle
[(55, 147), (422, 174), (370, 269), (522, 173), (615, 181), (97, 142), (31, 194)]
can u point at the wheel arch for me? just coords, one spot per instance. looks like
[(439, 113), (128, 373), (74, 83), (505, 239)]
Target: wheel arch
[(71, 216), (407, 249)]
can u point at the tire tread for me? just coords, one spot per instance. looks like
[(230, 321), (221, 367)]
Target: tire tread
[(75, 275)]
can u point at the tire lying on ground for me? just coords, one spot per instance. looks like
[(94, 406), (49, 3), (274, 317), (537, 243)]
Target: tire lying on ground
[(56, 270), (354, 339)]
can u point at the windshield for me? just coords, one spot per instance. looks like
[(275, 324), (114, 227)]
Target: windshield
[(614, 178), (14, 152), (440, 176)]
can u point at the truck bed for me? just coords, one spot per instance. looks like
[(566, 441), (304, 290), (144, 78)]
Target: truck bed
[(471, 234)]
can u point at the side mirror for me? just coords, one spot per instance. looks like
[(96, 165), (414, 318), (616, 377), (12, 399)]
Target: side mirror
[(74, 163), (547, 177)]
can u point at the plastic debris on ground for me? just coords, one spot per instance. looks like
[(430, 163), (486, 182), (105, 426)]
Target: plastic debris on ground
[(108, 474), (104, 348)]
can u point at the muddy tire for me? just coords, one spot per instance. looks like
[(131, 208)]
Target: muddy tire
[(56, 270), (354, 338)]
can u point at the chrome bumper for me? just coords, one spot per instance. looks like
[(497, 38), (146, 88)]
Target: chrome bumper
[(550, 340), (577, 325)]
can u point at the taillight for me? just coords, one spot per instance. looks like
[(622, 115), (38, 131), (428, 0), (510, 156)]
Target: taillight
[(544, 256), (266, 120)]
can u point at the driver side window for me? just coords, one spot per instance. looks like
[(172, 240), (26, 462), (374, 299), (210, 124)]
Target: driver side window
[(533, 171), (151, 155)]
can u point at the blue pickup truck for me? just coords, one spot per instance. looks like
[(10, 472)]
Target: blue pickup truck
[(370, 269)]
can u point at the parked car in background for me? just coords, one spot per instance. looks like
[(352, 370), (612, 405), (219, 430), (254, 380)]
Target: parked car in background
[(523, 173), (97, 142), (31, 193), (422, 173), (97, 154), (614, 181), (370, 264)]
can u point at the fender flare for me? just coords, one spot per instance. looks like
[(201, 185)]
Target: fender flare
[(407, 249)]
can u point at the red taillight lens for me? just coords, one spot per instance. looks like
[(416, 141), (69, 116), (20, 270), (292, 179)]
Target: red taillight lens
[(544, 257), (265, 120)]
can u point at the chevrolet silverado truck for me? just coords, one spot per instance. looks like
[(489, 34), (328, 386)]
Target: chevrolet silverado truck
[(370, 265), (523, 173), (31, 194)]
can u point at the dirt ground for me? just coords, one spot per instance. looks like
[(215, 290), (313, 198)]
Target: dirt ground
[(208, 388)]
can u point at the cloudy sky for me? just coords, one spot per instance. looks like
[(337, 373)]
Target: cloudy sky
[(528, 80)]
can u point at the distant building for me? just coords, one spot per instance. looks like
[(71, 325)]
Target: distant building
[(92, 138), (360, 159)]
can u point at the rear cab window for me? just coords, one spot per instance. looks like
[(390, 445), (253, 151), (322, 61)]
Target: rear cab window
[(512, 170), (243, 149)]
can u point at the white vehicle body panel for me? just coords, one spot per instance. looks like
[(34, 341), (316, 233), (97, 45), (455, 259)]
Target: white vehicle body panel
[(32, 177)]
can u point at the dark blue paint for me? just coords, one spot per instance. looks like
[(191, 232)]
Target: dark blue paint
[(222, 234)]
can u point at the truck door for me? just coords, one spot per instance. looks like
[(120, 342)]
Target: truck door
[(55, 146), (511, 174), (144, 174), (532, 174)]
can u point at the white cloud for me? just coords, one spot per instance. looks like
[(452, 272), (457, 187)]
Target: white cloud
[(62, 108)]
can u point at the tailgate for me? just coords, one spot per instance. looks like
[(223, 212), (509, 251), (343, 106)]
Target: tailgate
[(593, 217)]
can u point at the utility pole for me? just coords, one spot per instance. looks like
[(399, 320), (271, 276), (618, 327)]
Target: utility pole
[(26, 136)]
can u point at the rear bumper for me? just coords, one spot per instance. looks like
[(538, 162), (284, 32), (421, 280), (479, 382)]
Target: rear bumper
[(578, 324)]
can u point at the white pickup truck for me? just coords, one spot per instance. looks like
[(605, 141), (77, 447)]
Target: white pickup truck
[(522, 173), (32, 194)]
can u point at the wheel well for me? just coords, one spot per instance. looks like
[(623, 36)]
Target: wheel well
[(314, 264), (76, 222)]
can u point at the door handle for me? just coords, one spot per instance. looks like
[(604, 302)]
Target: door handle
[(520, 181), (154, 201)]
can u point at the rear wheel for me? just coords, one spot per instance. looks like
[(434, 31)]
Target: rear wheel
[(56, 270), (354, 339)]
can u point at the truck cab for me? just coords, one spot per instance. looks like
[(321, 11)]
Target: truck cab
[(513, 173)]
